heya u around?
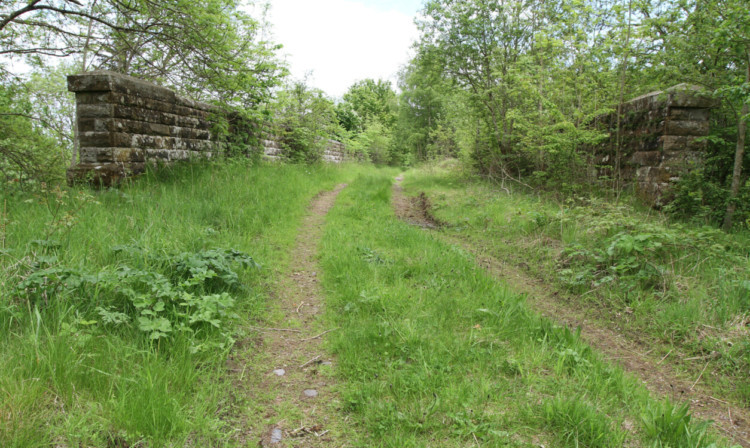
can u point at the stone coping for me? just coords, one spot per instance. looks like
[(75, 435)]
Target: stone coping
[(108, 81)]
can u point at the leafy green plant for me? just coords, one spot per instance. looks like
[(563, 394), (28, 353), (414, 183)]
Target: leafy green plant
[(191, 294), (625, 252)]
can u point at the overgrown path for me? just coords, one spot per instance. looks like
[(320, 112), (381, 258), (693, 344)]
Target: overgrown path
[(294, 393), (659, 376)]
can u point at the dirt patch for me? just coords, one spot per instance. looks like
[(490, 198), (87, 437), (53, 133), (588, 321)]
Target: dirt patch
[(288, 381), (658, 375), (414, 210)]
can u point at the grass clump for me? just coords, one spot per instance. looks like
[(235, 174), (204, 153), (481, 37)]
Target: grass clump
[(577, 423), (669, 425)]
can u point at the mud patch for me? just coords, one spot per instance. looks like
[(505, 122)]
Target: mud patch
[(414, 210)]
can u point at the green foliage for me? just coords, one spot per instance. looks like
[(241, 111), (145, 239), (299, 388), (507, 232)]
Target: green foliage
[(514, 86), (368, 113), (434, 351), (305, 119), (511, 84), (239, 131), (698, 198), (631, 253), (27, 154), (374, 142), (213, 50), (366, 102), (675, 286), (178, 293), (82, 325)]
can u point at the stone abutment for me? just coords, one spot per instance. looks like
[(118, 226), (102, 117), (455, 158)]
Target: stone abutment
[(124, 124), (661, 138)]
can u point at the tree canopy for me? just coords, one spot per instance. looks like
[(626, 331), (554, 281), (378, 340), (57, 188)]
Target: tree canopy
[(211, 50)]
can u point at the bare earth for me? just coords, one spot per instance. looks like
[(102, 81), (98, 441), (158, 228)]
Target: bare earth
[(658, 375), (293, 385)]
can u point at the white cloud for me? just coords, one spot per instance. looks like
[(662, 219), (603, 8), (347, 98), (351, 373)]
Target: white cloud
[(341, 41)]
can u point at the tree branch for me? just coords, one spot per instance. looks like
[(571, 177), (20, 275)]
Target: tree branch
[(14, 15)]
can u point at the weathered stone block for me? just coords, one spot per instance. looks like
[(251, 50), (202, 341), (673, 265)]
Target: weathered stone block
[(94, 124), (646, 158), (159, 155), (680, 142), (180, 154), (686, 127), (688, 113), (90, 82), (654, 174), (96, 139), (93, 98), (125, 155), (681, 161), (95, 155), (107, 81), (94, 111), (692, 96)]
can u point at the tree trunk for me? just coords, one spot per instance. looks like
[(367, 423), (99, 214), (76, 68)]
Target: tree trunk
[(739, 155)]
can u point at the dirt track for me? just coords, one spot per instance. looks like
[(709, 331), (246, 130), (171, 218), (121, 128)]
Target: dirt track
[(281, 375), (658, 375)]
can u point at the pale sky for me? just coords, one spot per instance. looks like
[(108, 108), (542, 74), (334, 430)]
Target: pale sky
[(344, 41)]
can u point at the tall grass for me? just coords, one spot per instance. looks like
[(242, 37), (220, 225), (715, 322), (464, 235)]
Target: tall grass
[(681, 287), (68, 375)]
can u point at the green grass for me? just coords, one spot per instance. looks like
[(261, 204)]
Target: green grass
[(434, 352), (676, 286), (68, 376), (102, 342)]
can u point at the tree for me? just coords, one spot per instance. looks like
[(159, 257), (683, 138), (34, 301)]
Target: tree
[(305, 120), (707, 42), (370, 101), (479, 42), (24, 145), (210, 50), (368, 113), (420, 105)]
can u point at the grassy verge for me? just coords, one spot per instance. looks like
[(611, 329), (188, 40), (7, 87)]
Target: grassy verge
[(682, 288), (433, 352), (119, 307)]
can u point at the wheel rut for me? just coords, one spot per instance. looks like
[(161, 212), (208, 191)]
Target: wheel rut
[(294, 391), (658, 376)]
